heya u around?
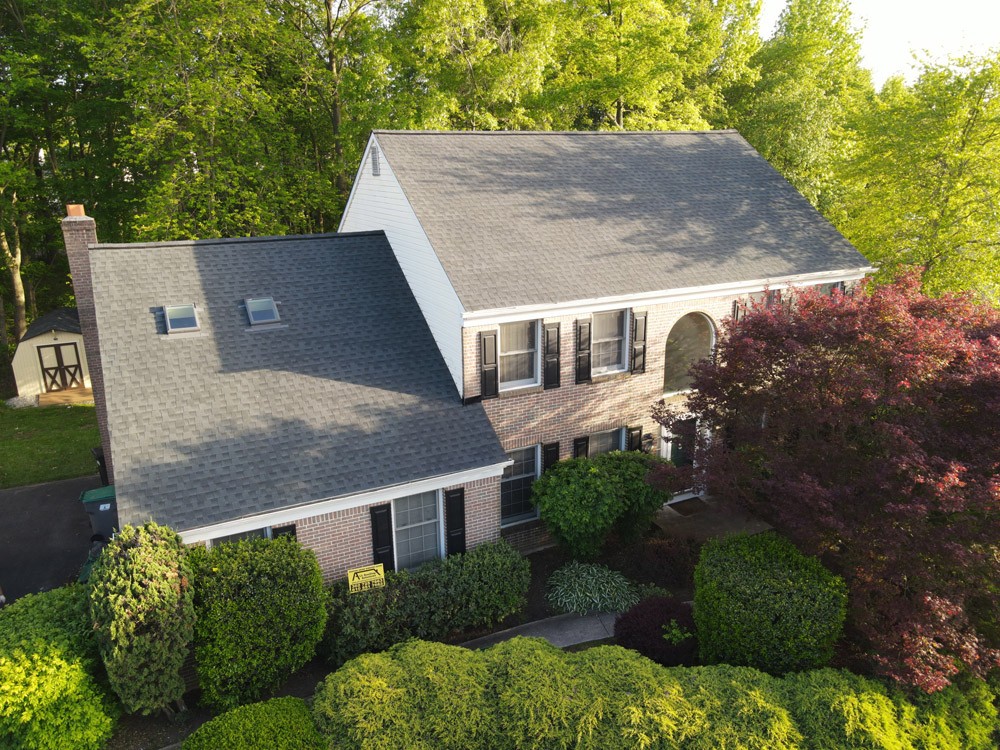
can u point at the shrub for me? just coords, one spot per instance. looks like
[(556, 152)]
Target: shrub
[(284, 723), (461, 592), (963, 716), (669, 561), (638, 500), (743, 708), (661, 629), (142, 607), (49, 697), (585, 587), (760, 603), (261, 610)]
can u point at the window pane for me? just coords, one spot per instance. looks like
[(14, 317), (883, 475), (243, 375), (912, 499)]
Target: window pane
[(609, 325), (518, 348), (515, 367), (517, 337), (689, 341), (605, 442), (262, 310), (607, 354), (515, 488), (180, 317), (417, 530)]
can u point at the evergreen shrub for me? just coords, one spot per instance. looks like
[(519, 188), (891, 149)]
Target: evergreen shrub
[(759, 602), (142, 608), (276, 724), (460, 593), (585, 587), (260, 608), (50, 696), (660, 628)]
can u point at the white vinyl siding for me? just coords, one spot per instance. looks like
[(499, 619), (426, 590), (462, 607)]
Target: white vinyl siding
[(379, 203)]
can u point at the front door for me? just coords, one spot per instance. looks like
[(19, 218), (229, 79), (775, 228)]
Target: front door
[(61, 368)]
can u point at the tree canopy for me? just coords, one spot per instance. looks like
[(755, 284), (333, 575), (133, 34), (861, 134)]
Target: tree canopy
[(867, 428)]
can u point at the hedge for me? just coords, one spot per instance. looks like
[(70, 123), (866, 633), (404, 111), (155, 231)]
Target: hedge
[(524, 693), (50, 696), (142, 608), (277, 724), (442, 597), (581, 500), (759, 602), (260, 608)]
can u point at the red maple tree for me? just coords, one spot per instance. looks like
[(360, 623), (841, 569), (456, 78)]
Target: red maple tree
[(867, 429)]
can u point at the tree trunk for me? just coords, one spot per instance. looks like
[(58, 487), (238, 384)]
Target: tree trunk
[(13, 261)]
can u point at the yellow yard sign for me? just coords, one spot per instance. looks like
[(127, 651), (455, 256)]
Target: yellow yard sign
[(368, 577)]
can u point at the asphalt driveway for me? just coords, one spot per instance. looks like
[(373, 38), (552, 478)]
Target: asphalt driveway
[(44, 535)]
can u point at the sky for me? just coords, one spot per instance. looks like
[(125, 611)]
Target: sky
[(892, 29)]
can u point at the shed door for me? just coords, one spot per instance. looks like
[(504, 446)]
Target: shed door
[(61, 368)]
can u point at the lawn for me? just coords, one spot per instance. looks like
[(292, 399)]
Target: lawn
[(46, 443)]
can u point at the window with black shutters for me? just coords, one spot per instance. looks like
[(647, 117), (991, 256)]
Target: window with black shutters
[(515, 486), (519, 354), (608, 342)]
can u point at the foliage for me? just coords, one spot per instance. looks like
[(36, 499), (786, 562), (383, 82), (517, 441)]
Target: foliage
[(49, 694), (142, 607), (581, 500), (758, 602), (661, 629), (462, 592), (586, 587), (867, 429), (260, 608), (284, 723), (925, 178), (45, 444)]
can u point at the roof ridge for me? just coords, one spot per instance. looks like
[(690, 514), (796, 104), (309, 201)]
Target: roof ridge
[(236, 240), (556, 132)]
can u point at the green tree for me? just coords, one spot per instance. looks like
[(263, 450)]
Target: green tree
[(811, 81), (142, 607), (926, 179)]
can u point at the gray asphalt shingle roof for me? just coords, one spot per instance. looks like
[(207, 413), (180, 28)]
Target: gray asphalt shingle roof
[(61, 319), (349, 394), (521, 218)]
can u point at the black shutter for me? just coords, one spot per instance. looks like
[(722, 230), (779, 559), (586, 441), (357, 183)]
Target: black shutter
[(382, 535), (736, 310), (583, 351), (454, 516), (550, 455), (639, 342), (551, 355), (490, 380), (633, 438), (581, 446)]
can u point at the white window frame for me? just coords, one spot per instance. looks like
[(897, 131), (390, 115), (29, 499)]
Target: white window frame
[(626, 330), (621, 441), (665, 450), (516, 384), (439, 499), (538, 473), (185, 329), (274, 306), (711, 349)]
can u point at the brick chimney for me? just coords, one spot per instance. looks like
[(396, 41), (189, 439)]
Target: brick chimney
[(79, 233)]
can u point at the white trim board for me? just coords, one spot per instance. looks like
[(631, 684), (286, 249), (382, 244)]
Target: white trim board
[(585, 307), (332, 505)]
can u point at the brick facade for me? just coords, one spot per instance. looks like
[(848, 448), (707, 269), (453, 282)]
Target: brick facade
[(343, 539), (79, 233)]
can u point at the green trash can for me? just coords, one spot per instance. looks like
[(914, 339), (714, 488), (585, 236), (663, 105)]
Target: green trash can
[(102, 508)]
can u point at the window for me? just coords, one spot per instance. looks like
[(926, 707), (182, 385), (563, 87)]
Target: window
[(417, 528), (605, 442), (262, 310), (692, 338), (515, 487), (829, 289), (264, 533), (180, 318), (519, 354), (608, 346)]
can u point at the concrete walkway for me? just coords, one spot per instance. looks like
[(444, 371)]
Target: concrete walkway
[(561, 630)]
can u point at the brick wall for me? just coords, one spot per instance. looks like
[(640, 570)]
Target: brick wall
[(79, 232), (343, 539)]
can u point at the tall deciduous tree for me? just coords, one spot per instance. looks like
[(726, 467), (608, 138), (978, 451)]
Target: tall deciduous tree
[(868, 430), (811, 80), (926, 178)]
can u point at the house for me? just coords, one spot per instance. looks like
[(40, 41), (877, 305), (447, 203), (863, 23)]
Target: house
[(570, 279), (281, 385), (493, 303), (50, 358)]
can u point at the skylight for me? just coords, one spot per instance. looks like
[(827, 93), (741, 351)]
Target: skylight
[(261, 310), (180, 318)]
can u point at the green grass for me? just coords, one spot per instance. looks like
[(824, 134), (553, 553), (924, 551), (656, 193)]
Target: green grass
[(47, 443)]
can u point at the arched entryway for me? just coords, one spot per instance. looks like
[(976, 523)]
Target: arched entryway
[(692, 338)]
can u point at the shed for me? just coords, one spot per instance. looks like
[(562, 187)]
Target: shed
[(51, 358)]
